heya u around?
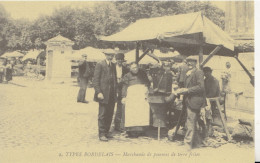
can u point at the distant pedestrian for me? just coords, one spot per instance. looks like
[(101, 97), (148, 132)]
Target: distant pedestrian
[(8, 71), (2, 69), (84, 74), (225, 76)]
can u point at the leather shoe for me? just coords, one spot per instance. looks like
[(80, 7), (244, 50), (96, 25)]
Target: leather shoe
[(103, 138), (83, 102), (109, 136), (187, 146)]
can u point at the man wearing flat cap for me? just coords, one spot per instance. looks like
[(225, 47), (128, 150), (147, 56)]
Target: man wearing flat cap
[(121, 70), (105, 84), (212, 90), (84, 75), (194, 97)]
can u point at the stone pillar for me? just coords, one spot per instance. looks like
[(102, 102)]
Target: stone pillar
[(58, 65), (239, 19)]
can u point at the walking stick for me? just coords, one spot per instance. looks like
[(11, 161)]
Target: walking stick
[(225, 106), (179, 120), (159, 130), (178, 123)]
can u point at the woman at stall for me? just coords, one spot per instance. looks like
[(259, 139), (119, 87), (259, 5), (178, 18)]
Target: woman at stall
[(137, 110)]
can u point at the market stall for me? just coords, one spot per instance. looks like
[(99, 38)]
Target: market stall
[(130, 57), (195, 34)]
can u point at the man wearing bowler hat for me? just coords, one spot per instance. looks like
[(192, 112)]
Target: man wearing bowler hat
[(121, 70), (105, 84), (194, 97)]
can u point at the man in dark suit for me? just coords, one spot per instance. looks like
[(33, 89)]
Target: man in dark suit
[(105, 84), (84, 74), (181, 73), (121, 70), (194, 96), (212, 90)]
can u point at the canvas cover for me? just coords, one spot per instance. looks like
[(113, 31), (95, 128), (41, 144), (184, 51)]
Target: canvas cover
[(12, 54), (130, 57), (189, 32), (32, 54), (94, 55)]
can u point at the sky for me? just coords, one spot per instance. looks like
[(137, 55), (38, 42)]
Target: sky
[(32, 9)]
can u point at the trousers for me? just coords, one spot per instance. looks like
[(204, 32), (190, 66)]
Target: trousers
[(119, 116), (105, 115), (83, 83), (192, 136)]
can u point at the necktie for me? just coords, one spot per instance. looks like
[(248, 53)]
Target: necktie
[(111, 76)]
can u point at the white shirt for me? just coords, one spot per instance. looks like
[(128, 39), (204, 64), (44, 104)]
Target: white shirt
[(119, 72), (108, 62)]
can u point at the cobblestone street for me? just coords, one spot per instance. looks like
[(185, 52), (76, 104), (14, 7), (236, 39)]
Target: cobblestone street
[(41, 122)]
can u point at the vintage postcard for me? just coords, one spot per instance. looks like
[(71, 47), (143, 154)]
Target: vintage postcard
[(127, 81)]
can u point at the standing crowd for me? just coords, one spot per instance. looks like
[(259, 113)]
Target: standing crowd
[(128, 87)]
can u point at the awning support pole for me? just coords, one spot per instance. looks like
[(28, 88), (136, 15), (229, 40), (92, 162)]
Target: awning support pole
[(200, 54), (210, 55), (153, 56), (137, 52), (202, 41), (145, 52), (252, 78)]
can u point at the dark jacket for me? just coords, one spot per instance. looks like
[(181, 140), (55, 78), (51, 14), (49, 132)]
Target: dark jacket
[(125, 70), (183, 69), (84, 70), (212, 88), (195, 98), (101, 81), (131, 79)]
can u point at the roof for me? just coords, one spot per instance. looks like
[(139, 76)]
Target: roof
[(59, 38), (180, 31), (32, 54), (12, 54)]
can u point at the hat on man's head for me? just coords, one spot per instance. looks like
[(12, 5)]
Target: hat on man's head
[(120, 56), (207, 69), (84, 55), (109, 51), (192, 58)]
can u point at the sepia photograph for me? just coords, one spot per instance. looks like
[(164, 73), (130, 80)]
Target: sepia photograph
[(127, 81)]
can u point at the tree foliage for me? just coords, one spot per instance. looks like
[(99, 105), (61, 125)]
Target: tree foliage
[(85, 25)]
